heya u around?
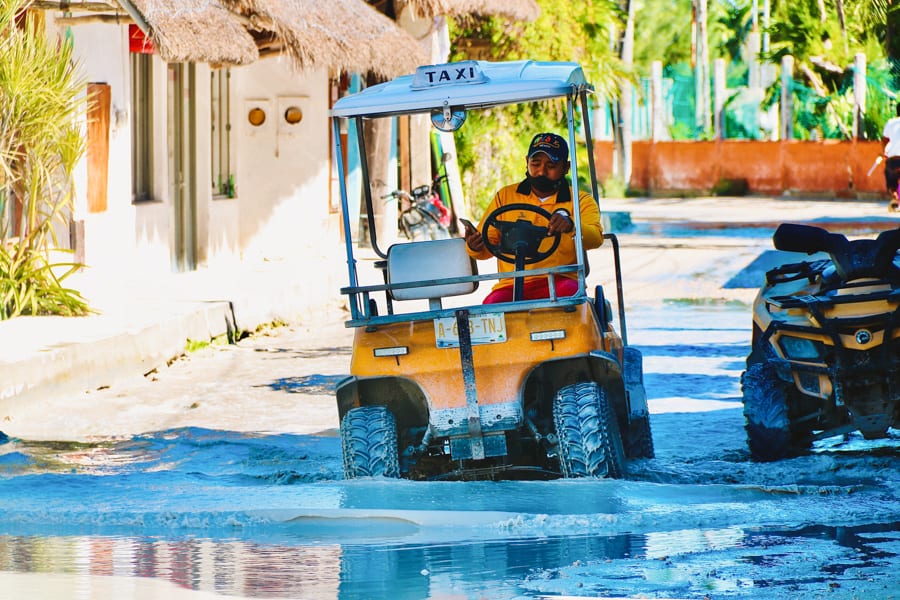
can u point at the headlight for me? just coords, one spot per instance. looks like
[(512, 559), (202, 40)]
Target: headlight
[(797, 348)]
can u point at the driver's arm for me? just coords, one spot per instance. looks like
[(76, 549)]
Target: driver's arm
[(591, 227), (474, 243)]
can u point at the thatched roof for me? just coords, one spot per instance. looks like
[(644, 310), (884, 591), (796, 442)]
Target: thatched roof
[(517, 10), (197, 31), (345, 34), (348, 35)]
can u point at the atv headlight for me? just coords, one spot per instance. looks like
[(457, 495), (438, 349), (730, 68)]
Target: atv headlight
[(797, 348)]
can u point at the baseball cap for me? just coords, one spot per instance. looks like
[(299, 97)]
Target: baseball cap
[(550, 144)]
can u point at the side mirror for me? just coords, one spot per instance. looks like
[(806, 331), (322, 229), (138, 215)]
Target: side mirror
[(448, 119)]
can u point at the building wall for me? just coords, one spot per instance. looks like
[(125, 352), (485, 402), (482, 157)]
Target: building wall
[(127, 236), (152, 228), (102, 51), (283, 171)]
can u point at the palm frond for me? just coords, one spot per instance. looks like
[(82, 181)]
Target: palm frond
[(41, 107)]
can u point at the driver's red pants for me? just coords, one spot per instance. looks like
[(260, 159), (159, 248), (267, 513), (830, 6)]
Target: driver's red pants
[(534, 289)]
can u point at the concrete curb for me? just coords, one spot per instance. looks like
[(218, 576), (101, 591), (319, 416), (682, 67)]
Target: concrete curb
[(77, 363), (142, 328)]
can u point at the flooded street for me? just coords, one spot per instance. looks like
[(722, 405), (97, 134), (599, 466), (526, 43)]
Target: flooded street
[(235, 487), (269, 515)]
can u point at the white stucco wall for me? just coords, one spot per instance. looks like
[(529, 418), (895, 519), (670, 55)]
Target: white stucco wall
[(102, 51), (282, 170), (151, 230), (125, 237)]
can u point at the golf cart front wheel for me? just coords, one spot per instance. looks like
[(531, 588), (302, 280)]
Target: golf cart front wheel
[(369, 443), (590, 444)]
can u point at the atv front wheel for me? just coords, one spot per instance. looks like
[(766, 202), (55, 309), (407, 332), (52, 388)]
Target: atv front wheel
[(768, 423), (369, 443), (590, 444)]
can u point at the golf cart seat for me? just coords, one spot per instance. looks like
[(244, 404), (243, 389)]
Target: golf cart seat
[(423, 261)]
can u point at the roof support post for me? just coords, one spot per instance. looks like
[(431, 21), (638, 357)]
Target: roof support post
[(134, 14)]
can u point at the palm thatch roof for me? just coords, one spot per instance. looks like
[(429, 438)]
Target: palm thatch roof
[(517, 10), (348, 35), (345, 34), (197, 31)]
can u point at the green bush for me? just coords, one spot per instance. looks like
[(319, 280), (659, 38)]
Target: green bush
[(41, 109), (29, 286)]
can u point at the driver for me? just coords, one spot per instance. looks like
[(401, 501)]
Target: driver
[(545, 186)]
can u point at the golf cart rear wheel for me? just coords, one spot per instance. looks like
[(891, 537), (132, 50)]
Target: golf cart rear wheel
[(768, 422), (369, 443), (590, 444)]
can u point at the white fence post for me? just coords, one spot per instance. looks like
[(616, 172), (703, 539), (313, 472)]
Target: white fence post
[(658, 129), (719, 82), (859, 94), (787, 112)]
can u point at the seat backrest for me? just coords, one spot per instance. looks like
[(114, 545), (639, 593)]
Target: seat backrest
[(437, 259)]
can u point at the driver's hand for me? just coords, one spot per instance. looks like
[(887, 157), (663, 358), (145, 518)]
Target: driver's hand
[(560, 223), (474, 239)]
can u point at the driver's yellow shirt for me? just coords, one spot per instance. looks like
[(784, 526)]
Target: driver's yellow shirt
[(521, 193)]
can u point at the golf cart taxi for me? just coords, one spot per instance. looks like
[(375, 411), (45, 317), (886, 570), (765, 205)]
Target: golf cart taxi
[(443, 386)]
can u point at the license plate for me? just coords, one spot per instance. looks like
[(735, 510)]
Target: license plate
[(487, 328)]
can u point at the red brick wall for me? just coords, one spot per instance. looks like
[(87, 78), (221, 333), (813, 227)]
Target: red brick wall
[(828, 168)]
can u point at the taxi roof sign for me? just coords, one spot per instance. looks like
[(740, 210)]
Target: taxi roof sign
[(467, 71), (501, 83)]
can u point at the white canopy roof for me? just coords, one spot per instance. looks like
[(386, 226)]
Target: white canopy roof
[(464, 85)]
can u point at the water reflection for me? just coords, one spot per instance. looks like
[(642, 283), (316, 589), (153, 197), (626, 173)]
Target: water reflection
[(235, 568), (577, 564)]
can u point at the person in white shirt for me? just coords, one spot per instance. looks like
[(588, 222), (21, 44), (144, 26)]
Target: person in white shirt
[(890, 137)]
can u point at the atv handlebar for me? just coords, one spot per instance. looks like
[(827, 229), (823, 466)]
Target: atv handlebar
[(792, 237), (852, 259)]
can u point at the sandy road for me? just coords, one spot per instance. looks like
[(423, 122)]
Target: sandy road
[(279, 380)]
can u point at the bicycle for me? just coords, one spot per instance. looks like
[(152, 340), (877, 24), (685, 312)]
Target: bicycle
[(422, 214)]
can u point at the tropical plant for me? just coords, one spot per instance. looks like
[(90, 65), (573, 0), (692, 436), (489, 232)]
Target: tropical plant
[(662, 32), (823, 37), (41, 108), (492, 145)]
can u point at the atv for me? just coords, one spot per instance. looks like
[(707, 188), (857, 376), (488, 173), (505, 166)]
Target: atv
[(825, 358), (444, 387)]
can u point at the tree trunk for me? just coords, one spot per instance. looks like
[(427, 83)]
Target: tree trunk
[(701, 70), (839, 7), (622, 128), (382, 177)]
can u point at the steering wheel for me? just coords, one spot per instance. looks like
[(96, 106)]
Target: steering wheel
[(519, 238)]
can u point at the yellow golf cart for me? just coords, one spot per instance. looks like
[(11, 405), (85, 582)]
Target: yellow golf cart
[(443, 386)]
